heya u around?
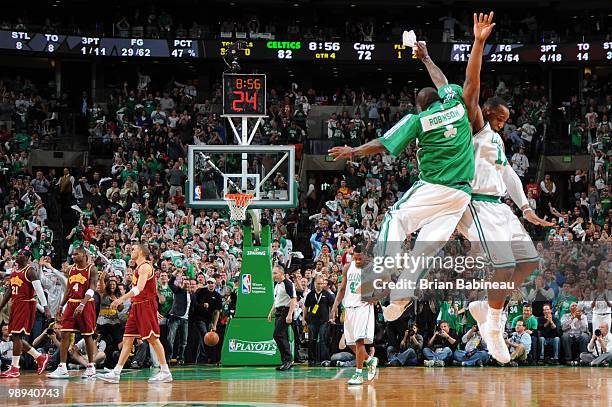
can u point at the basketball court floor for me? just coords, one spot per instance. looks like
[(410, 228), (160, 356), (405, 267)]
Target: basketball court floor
[(304, 386)]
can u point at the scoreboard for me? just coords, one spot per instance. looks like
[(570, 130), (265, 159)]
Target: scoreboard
[(316, 51), (544, 53)]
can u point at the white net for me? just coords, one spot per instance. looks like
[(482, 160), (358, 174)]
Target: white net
[(238, 204)]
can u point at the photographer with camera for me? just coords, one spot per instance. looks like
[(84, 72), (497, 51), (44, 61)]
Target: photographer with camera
[(440, 346), (473, 353), (599, 352), (410, 348)]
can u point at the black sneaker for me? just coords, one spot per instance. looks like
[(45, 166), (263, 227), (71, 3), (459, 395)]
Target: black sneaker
[(542, 362), (554, 361), (311, 363), (513, 363), (479, 363), (326, 363)]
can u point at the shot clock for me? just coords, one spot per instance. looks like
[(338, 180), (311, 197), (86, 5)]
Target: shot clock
[(244, 94)]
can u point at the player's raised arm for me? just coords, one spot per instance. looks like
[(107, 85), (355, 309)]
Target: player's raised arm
[(435, 73), (370, 148), (395, 140), (483, 26)]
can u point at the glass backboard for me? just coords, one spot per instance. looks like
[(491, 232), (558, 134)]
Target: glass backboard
[(267, 172)]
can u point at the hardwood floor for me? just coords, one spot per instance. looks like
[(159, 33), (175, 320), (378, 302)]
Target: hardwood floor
[(325, 387)]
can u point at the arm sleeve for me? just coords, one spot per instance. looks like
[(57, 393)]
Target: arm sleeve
[(397, 138), (290, 289), (514, 186), (40, 294)]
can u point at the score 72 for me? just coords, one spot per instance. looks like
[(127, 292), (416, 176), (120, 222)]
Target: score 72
[(364, 51)]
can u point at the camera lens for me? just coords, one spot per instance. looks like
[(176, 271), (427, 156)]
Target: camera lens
[(598, 332)]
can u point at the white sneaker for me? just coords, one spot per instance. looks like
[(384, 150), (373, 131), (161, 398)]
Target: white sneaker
[(356, 380), (493, 337), (109, 377), (59, 373), (428, 363), (395, 310), (479, 311), (161, 377), (90, 373), (372, 367)]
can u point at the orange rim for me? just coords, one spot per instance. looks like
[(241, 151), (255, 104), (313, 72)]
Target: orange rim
[(240, 199)]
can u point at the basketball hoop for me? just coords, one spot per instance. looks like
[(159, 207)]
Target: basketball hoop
[(238, 204)]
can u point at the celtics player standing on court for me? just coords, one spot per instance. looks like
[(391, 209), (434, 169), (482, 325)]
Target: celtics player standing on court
[(487, 221), (358, 318), (445, 152)]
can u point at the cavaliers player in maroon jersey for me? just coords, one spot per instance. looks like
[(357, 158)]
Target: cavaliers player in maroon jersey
[(142, 321), (80, 313), (25, 283)]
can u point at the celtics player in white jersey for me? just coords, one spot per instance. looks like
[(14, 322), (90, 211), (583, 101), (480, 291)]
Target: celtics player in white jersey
[(358, 318), (445, 153), (490, 223)]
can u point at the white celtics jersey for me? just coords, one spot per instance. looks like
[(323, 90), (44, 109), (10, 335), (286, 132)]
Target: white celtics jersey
[(489, 161), (352, 297)]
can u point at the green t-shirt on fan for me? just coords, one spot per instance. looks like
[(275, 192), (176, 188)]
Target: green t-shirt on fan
[(530, 323), (445, 148)]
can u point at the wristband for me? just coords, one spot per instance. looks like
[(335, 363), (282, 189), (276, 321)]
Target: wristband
[(135, 290), (89, 292)]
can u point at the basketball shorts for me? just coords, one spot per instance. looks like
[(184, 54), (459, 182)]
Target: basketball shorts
[(23, 315), (142, 321), (359, 324), (433, 209), (85, 322), (498, 233)]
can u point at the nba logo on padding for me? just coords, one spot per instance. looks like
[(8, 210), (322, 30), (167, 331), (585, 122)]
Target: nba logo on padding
[(197, 193), (246, 284)]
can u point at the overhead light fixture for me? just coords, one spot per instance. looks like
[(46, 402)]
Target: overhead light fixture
[(379, 69), (419, 6), (296, 5), (353, 5)]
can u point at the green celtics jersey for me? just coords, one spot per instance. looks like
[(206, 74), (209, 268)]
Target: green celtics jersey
[(515, 309), (444, 140)]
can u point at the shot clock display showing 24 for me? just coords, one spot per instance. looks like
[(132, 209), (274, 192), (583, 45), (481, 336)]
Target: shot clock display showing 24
[(244, 95)]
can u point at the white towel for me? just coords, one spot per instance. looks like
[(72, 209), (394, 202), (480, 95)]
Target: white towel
[(409, 39)]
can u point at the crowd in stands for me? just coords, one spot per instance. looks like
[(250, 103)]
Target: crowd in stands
[(146, 128), (340, 24)]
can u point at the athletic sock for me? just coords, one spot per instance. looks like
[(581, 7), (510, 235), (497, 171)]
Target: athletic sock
[(35, 354), (358, 371), (368, 359), (91, 365), (16, 361), (494, 315), (164, 368), (62, 366), (117, 370)]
